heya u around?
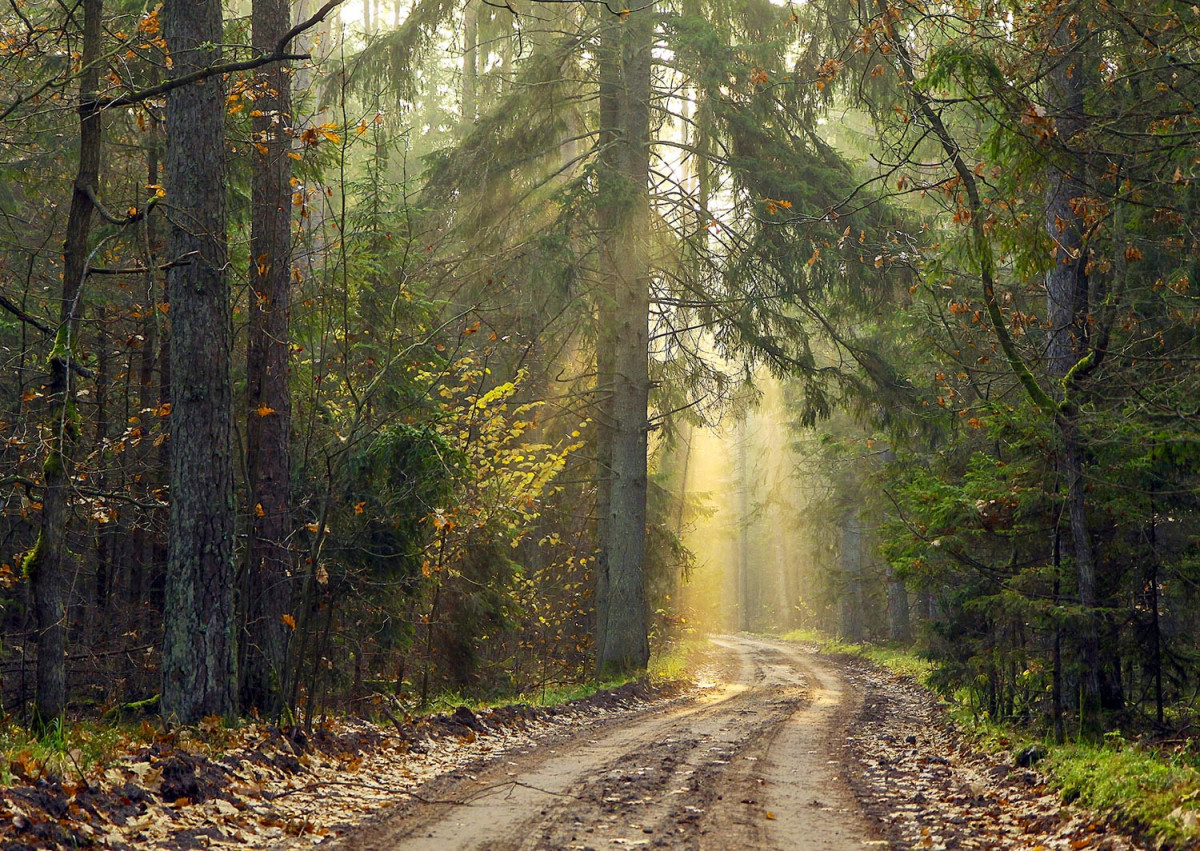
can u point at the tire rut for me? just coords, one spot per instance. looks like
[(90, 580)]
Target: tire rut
[(745, 767)]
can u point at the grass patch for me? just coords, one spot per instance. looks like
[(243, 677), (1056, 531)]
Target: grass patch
[(68, 749), (894, 657), (1152, 790), (675, 664)]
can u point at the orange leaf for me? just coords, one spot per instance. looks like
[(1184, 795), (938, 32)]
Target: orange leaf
[(263, 411), (288, 621)]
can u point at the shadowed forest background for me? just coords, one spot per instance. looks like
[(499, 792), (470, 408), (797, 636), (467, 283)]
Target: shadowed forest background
[(360, 353)]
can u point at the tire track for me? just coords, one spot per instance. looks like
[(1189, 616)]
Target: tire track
[(752, 764)]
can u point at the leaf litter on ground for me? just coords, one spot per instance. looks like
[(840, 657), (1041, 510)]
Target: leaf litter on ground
[(260, 785), (930, 788)]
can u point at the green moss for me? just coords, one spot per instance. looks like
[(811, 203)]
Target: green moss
[(61, 347), (72, 421), (33, 559), (52, 467)]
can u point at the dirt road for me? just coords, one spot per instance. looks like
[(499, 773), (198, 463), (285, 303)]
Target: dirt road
[(752, 763)]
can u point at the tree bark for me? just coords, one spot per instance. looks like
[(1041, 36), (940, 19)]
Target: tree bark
[(199, 639), (899, 622), (746, 600), (46, 566), (626, 44), (470, 66), (268, 589), (850, 595), (1067, 309)]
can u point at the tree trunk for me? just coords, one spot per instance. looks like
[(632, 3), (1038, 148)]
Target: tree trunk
[(626, 44), (269, 586), (470, 66), (199, 658), (745, 601), (46, 566), (1066, 309), (148, 558), (899, 623), (850, 596)]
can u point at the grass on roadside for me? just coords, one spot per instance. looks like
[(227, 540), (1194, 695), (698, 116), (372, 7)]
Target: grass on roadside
[(1148, 789), (69, 749), (673, 665), (1153, 790), (897, 658)]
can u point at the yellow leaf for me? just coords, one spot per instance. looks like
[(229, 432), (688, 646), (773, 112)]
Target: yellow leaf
[(263, 411), (770, 815), (258, 511), (331, 136), (288, 621), (358, 507)]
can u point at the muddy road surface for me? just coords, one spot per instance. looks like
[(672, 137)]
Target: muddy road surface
[(750, 763)]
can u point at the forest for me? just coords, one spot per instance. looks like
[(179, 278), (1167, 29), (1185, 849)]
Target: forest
[(366, 352)]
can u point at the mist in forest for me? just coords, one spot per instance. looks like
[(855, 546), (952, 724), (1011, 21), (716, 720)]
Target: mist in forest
[(760, 563)]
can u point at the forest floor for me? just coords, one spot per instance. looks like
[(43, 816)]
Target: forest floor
[(775, 746)]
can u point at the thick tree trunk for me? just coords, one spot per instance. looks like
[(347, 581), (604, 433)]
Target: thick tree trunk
[(1066, 309), (268, 589), (46, 566), (199, 658), (625, 220)]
